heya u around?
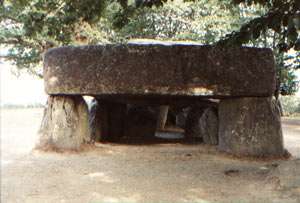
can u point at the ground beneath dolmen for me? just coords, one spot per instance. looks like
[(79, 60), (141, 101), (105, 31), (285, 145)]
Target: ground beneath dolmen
[(139, 173)]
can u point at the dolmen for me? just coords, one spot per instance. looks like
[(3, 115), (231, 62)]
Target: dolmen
[(241, 80)]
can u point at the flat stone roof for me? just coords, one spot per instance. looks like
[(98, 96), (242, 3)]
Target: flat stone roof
[(160, 69)]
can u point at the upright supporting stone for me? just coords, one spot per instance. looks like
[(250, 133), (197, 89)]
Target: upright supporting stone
[(116, 121), (192, 127), (95, 121), (202, 122), (209, 126), (250, 127), (162, 117), (140, 122), (111, 116), (65, 123)]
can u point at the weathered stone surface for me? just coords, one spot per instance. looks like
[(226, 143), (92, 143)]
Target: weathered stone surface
[(65, 123), (112, 120), (181, 117), (162, 117), (94, 121), (202, 122), (192, 127), (141, 122), (156, 69), (209, 125), (250, 126)]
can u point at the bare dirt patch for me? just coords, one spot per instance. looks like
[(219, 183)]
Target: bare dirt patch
[(161, 172)]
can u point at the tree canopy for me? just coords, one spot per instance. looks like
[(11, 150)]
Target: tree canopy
[(29, 27)]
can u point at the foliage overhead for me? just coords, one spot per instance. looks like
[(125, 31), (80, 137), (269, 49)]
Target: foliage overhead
[(29, 27), (283, 17), (198, 21)]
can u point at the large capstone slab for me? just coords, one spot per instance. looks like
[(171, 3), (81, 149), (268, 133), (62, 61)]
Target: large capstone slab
[(159, 69)]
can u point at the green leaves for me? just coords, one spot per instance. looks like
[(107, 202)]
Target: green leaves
[(149, 3), (30, 27), (297, 45), (274, 21), (283, 18)]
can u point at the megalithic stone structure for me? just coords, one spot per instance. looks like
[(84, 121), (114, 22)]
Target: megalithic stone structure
[(242, 78), (160, 70)]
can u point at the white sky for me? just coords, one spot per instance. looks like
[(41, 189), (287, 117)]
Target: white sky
[(26, 89)]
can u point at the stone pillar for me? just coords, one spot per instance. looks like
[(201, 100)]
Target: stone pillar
[(192, 128), (250, 127), (140, 122), (162, 117), (202, 122), (116, 120), (95, 121), (65, 123), (107, 120), (209, 124)]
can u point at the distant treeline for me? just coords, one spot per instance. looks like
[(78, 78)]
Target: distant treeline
[(14, 106), (290, 105)]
